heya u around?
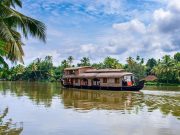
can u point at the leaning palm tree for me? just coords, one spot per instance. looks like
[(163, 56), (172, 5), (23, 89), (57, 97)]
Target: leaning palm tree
[(12, 23)]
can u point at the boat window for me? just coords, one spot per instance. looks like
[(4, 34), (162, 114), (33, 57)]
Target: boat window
[(127, 78), (104, 80), (71, 72), (116, 80)]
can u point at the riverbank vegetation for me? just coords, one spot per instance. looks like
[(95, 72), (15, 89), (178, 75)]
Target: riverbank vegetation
[(167, 69)]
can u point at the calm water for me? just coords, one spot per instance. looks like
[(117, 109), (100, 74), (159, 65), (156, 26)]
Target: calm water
[(46, 109)]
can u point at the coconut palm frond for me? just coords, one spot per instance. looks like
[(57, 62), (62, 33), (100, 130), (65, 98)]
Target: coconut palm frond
[(12, 3), (11, 22), (26, 24)]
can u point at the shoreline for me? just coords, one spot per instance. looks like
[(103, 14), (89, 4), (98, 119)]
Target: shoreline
[(46, 81), (161, 84)]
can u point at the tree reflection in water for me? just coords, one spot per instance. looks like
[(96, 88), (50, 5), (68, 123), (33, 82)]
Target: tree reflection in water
[(127, 102), (121, 101), (7, 127), (39, 92), (86, 100)]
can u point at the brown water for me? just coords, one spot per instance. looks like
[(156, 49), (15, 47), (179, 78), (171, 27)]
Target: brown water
[(47, 109)]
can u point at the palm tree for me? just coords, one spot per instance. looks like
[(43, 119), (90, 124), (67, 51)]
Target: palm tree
[(85, 61), (20, 69), (110, 62), (33, 67), (137, 57), (70, 60), (65, 64), (176, 69), (11, 21), (167, 66), (167, 69), (157, 69), (142, 61), (130, 60), (48, 62)]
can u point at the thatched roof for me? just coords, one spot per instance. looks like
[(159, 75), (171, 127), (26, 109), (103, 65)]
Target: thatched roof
[(150, 78)]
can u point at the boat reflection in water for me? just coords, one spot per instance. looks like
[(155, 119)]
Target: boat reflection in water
[(86, 100), (46, 108), (44, 93), (132, 102)]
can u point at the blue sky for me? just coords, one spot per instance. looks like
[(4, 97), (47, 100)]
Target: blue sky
[(100, 28)]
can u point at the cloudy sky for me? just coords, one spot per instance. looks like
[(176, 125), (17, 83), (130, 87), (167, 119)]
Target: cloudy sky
[(100, 28)]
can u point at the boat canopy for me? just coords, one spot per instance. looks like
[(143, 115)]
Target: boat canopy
[(99, 75)]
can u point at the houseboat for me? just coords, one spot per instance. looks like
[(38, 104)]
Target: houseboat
[(100, 79)]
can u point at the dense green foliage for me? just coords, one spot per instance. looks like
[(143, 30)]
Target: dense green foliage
[(166, 69), (14, 25)]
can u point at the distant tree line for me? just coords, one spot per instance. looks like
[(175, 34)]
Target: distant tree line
[(167, 69)]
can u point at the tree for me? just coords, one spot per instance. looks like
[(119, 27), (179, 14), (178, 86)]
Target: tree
[(135, 67), (64, 64), (85, 61), (14, 25), (166, 70), (20, 69), (150, 64), (142, 61), (48, 63), (138, 58), (70, 60), (167, 66), (130, 60), (98, 65), (111, 63), (32, 70), (177, 57)]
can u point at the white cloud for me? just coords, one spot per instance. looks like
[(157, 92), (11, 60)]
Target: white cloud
[(161, 15), (110, 6), (174, 5), (87, 49), (133, 37), (133, 26)]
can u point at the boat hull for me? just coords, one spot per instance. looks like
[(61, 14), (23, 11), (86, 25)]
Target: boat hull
[(128, 88)]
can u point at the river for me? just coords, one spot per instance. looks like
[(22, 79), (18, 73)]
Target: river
[(36, 108)]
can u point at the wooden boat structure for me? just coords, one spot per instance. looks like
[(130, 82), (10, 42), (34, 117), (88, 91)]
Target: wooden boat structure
[(100, 79)]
